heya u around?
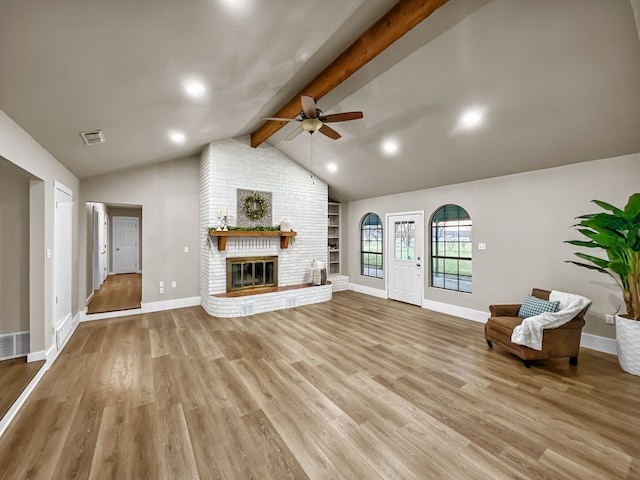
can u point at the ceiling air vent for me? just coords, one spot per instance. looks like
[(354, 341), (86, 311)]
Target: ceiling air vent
[(93, 137)]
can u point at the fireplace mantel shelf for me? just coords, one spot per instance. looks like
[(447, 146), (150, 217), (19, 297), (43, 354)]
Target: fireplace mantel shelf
[(222, 236)]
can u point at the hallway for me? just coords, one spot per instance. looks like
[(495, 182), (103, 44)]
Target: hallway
[(118, 292)]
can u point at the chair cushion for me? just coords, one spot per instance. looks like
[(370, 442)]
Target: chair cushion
[(532, 306)]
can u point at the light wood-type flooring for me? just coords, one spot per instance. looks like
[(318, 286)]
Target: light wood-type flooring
[(118, 292), (354, 388)]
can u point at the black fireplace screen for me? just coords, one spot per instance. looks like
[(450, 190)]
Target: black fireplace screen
[(251, 272)]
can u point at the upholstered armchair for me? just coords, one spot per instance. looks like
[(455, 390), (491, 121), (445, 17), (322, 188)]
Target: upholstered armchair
[(559, 342)]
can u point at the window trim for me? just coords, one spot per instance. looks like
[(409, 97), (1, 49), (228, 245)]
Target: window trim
[(435, 225), (379, 269)]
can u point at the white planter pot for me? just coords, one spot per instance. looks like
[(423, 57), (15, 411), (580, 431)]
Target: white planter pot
[(628, 344)]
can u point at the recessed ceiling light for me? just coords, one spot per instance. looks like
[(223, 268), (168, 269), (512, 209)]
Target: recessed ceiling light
[(237, 6), (390, 147), (177, 137), (194, 88), (332, 167), (471, 118)]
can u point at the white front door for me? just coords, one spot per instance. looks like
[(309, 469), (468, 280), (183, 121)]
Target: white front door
[(405, 257), (62, 251), (125, 244)]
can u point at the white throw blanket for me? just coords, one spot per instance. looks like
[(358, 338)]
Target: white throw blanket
[(529, 332), (315, 274)]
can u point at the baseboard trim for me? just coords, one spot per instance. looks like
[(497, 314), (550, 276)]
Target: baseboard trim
[(374, 292), (48, 355), (89, 317), (170, 304), (600, 344), (462, 312), (36, 356), (89, 298)]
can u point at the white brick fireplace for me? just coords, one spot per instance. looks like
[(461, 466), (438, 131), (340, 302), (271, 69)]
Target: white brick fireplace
[(232, 164)]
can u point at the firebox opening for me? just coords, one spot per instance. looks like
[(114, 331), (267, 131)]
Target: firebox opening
[(246, 273)]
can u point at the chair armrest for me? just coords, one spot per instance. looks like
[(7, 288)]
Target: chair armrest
[(510, 310)]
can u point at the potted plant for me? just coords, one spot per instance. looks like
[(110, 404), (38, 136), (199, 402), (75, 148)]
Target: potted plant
[(617, 232)]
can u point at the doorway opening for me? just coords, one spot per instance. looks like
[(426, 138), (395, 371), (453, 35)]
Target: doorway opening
[(114, 246)]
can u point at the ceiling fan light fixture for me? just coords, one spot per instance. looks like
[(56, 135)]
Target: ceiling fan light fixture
[(311, 125)]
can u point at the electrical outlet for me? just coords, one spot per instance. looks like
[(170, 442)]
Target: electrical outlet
[(174, 284), (161, 290), (609, 319)]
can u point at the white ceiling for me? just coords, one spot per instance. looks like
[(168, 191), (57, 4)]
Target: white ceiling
[(558, 81)]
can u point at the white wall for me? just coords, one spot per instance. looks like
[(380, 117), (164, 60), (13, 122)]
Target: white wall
[(169, 195), (19, 148), (232, 164), (524, 220)]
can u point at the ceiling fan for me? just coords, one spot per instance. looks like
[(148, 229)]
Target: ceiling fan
[(312, 120)]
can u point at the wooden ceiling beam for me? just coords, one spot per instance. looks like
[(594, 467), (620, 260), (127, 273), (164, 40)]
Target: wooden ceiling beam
[(405, 15)]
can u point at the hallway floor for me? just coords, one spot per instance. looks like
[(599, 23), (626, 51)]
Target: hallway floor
[(118, 292)]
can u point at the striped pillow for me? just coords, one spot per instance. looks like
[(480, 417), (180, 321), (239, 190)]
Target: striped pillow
[(532, 306)]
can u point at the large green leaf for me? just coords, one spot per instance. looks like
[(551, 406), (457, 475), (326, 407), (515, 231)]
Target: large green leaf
[(633, 238), (632, 209), (590, 267), (620, 267), (601, 262), (581, 243), (606, 221), (607, 206), (605, 238)]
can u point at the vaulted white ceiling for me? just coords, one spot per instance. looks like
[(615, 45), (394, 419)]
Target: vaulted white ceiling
[(556, 81)]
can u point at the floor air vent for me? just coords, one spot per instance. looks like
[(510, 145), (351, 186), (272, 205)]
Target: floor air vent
[(93, 137)]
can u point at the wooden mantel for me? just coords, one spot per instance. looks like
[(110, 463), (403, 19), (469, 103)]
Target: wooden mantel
[(222, 236)]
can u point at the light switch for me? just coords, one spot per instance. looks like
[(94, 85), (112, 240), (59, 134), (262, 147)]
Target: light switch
[(174, 284), (161, 284), (48, 254), (186, 249), (482, 246)]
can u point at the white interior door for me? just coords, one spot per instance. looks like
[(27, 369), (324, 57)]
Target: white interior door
[(405, 249), (63, 247), (125, 244), (100, 236)]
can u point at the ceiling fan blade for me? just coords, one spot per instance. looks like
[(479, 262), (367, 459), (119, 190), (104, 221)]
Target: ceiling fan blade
[(329, 132), (278, 119), (295, 133), (341, 117), (309, 107)]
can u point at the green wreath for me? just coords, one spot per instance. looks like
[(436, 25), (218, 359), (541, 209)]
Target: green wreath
[(255, 206)]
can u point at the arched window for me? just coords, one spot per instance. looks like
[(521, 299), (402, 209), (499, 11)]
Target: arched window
[(451, 249), (371, 246)]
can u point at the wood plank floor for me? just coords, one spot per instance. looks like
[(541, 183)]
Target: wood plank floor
[(355, 388), (118, 292), (15, 375)]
